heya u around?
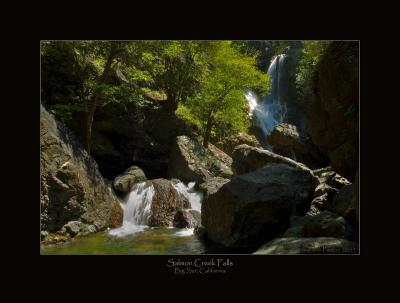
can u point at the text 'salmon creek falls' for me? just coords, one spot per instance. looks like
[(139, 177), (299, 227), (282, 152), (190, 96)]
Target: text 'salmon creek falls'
[(200, 263), (187, 147)]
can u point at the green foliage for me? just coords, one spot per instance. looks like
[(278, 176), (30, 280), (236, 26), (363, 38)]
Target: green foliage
[(311, 54), (221, 102), (65, 112), (205, 78), (186, 114)]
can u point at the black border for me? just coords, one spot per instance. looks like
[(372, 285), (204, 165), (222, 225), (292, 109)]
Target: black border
[(27, 154)]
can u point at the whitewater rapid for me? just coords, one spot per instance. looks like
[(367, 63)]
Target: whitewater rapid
[(136, 207)]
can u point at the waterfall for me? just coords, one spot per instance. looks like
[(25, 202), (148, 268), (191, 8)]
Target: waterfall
[(136, 207), (271, 110), (194, 197)]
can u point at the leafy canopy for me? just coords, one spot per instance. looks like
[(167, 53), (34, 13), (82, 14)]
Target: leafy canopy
[(221, 101)]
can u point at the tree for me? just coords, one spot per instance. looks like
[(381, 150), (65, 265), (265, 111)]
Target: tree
[(83, 75), (311, 54), (222, 99), (182, 67)]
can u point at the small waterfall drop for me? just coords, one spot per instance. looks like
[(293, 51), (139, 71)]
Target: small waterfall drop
[(271, 110), (136, 207), (189, 192)]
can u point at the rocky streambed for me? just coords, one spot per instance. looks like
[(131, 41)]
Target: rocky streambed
[(250, 201)]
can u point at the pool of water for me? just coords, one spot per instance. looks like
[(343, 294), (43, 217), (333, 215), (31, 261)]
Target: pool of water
[(153, 240)]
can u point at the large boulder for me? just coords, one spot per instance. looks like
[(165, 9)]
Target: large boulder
[(257, 206), (190, 161), (330, 184), (166, 201), (333, 117), (211, 185), (343, 200), (318, 245), (248, 158), (124, 182), (187, 218), (72, 189), (229, 143), (221, 155), (325, 224), (286, 140)]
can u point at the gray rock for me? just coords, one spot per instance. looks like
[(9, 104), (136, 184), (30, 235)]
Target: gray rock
[(287, 141), (200, 231), (211, 185), (124, 182), (343, 200), (229, 143), (72, 189), (190, 161), (196, 215), (187, 218), (74, 227), (166, 201), (319, 204), (257, 206), (324, 224), (248, 158), (318, 245), (337, 181), (333, 116), (324, 188)]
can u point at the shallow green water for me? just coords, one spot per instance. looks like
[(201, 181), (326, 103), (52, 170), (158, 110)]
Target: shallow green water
[(159, 240)]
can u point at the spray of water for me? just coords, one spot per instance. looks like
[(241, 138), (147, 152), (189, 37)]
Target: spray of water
[(271, 110)]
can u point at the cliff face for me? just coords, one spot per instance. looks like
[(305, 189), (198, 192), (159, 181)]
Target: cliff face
[(74, 196), (333, 115)]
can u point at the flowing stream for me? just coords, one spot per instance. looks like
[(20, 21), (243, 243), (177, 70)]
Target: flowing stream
[(135, 236)]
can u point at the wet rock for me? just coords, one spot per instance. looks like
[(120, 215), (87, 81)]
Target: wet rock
[(187, 218), (166, 201), (124, 182)]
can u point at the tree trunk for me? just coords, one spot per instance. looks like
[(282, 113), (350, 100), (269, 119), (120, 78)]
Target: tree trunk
[(207, 132), (171, 104), (95, 99), (89, 122)]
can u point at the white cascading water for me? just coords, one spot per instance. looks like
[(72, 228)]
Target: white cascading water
[(271, 110), (194, 197), (136, 209), (137, 205)]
